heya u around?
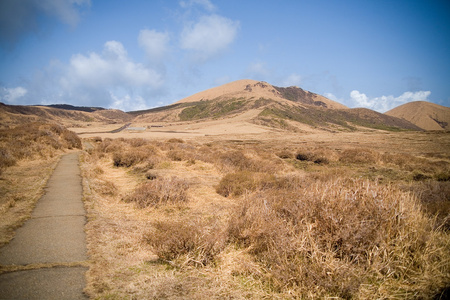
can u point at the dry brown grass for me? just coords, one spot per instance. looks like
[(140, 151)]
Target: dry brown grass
[(343, 238), (291, 229), (158, 192), (34, 141), (28, 155)]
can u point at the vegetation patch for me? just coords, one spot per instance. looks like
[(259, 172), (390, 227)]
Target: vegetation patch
[(212, 109), (159, 191)]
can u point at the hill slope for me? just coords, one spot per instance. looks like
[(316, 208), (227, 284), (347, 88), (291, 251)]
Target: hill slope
[(288, 108), (252, 89), (426, 115), (12, 115)]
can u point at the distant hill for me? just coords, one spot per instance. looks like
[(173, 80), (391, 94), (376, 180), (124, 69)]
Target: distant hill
[(12, 115), (285, 108), (72, 107), (426, 115)]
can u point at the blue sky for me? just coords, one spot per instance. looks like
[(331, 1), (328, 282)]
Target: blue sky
[(139, 54)]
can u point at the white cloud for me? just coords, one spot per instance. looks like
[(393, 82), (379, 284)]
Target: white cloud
[(209, 36), (154, 43), (11, 95), (112, 68), (127, 102), (385, 103), (292, 80), (96, 76), (206, 4)]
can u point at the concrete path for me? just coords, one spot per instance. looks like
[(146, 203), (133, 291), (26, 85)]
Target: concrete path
[(49, 250)]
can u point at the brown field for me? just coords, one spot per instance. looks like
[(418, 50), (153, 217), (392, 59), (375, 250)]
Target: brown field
[(28, 155), (213, 210)]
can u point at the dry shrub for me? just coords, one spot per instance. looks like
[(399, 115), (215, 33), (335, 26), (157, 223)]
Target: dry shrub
[(317, 157), (159, 191), (136, 142), (6, 159), (104, 187), (285, 154), (175, 141), (435, 198), (176, 155), (236, 160), (342, 238), (32, 140), (71, 140), (359, 156), (129, 157), (236, 184), (186, 242)]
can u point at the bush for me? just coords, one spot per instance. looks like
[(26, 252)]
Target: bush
[(285, 154), (359, 156), (236, 184), (236, 160), (340, 238), (192, 242), (159, 191), (129, 158), (33, 140), (6, 158)]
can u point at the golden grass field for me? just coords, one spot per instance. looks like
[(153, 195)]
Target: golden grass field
[(268, 215), (230, 209)]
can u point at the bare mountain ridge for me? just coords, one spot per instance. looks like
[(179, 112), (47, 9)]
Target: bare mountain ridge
[(426, 115)]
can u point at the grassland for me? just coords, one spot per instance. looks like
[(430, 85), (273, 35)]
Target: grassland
[(28, 155), (269, 219)]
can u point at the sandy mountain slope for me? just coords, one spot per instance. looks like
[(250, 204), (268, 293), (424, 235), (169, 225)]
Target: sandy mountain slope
[(426, 115), (247, 88)]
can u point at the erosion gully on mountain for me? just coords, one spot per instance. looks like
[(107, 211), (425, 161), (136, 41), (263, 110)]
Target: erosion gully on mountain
[(47, 259)]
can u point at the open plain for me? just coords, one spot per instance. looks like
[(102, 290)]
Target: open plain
[(220, 209)]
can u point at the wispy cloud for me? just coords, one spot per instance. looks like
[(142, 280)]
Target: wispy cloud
[(209, 36), (206, 4), (257, 71), (155, 44), (292, 80), (12, 95)]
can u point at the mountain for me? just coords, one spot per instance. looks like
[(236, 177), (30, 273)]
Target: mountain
[(426, 115), (252, 89), (261, 103)]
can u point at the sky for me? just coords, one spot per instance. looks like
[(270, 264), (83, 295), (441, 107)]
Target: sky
[(140, 54)]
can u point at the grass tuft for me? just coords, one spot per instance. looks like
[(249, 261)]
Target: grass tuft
[(159, 191)]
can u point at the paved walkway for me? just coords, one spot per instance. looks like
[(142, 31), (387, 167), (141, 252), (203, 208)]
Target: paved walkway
[(50, 248)]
